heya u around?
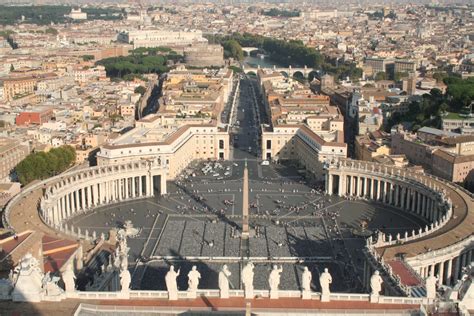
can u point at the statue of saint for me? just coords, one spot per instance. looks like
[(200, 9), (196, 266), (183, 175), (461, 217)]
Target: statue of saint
[(325, 280), (125, 280), (376, 283), (193, 279), (430, 283), (306, 279), (274, 278), (224, 275), (247, 279), (171, 285), (68, 279)]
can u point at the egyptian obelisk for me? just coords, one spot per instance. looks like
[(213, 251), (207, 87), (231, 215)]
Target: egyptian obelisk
[(245, 203)]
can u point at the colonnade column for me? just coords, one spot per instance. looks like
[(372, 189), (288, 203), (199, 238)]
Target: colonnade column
[(449, 273), (140, 186), (83, 197), (441, 273), (163, 184)]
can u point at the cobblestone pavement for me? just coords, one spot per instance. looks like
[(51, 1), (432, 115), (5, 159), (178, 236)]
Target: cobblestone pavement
[(294, 224)]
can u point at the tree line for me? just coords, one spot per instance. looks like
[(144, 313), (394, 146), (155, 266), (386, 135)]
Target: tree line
[(42, 165), (47, 14), (140, 61), (292, 52), (282, 13), (287, 53), (429, 110)]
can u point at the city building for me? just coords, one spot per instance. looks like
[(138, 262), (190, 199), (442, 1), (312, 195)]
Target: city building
[(459, 123), (444, 154), (11, 153), (158, 37), (204, 55)]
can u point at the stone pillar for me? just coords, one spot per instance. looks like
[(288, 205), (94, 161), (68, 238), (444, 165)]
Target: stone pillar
[(423, 205), (126, 183), (149, 185), (379, 189), (95, 193), (397, 196), (441, 273), (134, 190), (372, 188), (164, 189), (409, 204), (67, 202), (106, 195), (457, 268), (55, 215), (449, 273), (77, 201), (62, 203), (82, 193), (402, 197), (365, 186), (140, 186)]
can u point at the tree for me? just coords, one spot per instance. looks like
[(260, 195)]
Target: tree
[(88, 57), (41, 165), (233, 49), (51, 30), (399, 75), (140, 89), (380, 76)]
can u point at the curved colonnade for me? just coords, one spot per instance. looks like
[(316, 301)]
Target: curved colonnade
[(80, 191), (442, 205)]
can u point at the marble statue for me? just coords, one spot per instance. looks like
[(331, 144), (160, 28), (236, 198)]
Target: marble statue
[(376, 283), (193, 282), (306, 279), (247, 279), (68, 279), (430, 284), (125, 280), (274, 281), (325, 280), (171, 285), (224, 275), (29, 280), (50, 285)]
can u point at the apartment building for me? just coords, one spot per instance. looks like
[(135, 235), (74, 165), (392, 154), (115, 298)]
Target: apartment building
[(11, 153), (175, 145), (448, 156), (157, 37)]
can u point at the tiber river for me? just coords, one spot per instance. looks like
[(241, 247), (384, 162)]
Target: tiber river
[(253, 62)]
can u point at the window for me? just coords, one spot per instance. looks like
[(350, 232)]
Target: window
[(269, 144), (221, 144)]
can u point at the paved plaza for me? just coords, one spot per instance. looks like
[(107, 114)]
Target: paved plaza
[(294, 224)]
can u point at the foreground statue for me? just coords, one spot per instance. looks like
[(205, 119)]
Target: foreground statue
[(325, 280), (376, 286), (274, 281), (171, 284), (224, 275), (247, 279), (430, 283), (125, 280), (306, 279), (29, 280), (69, 279), (193, 282)]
